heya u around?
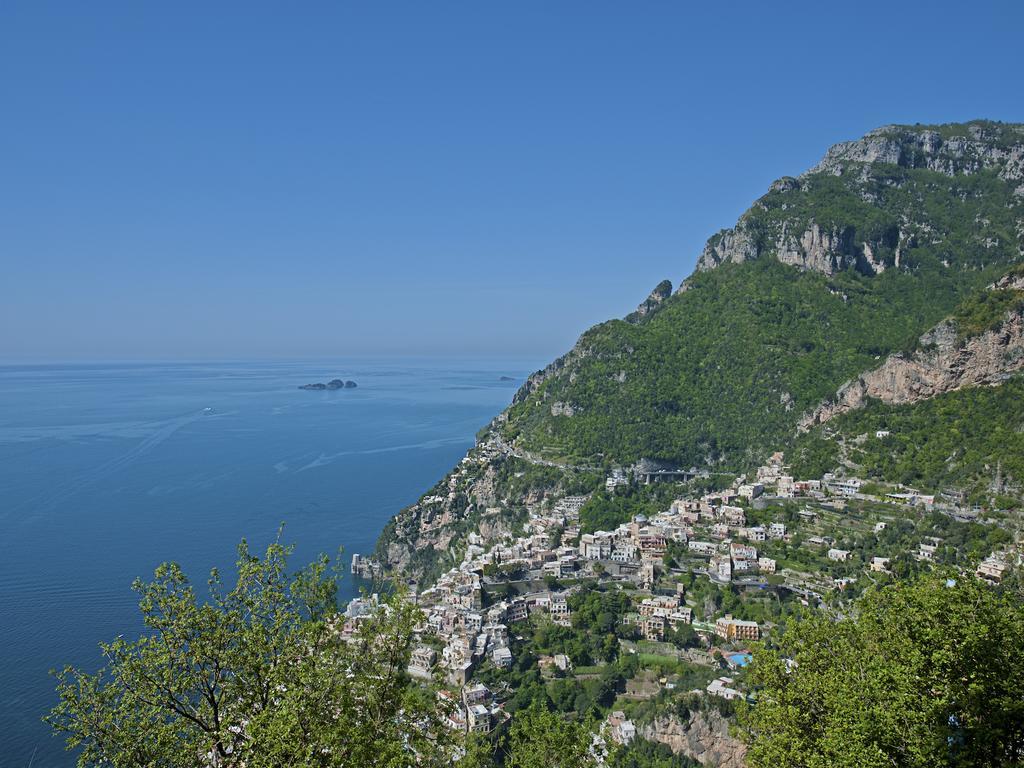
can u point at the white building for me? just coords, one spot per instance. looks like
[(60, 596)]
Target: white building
[(722, 687)]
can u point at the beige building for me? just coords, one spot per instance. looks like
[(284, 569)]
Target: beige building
[(729, 628)]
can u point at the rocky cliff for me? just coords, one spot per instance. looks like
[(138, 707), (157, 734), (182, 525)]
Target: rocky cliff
[(704, 737), (944, 362), (661, 292), (489, 493), (949, 150), (865, 165)]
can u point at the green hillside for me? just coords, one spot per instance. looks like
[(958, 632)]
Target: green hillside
[(721, 372), (971, 439)]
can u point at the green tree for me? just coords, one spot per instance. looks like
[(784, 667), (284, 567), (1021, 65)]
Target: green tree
[(926, 673), (259, 675), (541, 738)]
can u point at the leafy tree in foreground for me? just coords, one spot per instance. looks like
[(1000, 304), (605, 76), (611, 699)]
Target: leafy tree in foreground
[(255, 676), (541, 738), (927, 673)]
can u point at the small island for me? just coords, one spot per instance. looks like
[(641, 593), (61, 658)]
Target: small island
[(505, 378), (332, 384)]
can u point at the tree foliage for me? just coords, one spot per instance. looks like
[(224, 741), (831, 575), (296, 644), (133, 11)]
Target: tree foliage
[(541, 738), (961, 439), (926, 673), (257, 675)]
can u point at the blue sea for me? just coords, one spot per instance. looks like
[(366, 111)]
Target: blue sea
[(108, 470)]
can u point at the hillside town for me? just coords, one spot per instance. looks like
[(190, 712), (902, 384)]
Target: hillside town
[(738, 540)]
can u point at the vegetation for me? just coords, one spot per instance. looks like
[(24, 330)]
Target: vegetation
[(648, 754), (540, 737), (591, 643), (926, 673), (606, 510), (253, 676), (985, 309), (972, 438), (721, 372)]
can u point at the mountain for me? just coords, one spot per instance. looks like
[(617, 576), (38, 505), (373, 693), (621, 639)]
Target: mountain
[(884, 262)]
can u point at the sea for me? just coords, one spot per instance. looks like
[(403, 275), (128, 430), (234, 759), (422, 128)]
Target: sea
[(107, 470)]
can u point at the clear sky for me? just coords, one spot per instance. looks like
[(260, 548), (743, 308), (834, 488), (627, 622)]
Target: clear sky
[(268, 179)]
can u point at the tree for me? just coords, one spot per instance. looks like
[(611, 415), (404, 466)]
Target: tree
[(926, 673), (261, 675), (541, 738), (479, 753)]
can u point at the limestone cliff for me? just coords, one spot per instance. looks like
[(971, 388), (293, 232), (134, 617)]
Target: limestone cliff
[(944, 362), (704, 737), (661, 292), (798, 238), (982, 145), (489, 493)]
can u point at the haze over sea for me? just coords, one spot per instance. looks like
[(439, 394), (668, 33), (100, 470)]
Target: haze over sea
[(107, 470)]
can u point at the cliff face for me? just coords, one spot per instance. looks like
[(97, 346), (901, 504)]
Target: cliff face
[(944, 363), (969, 150), (704, 737), (812, 248), (489, 493), (661, 292), (803, 241)]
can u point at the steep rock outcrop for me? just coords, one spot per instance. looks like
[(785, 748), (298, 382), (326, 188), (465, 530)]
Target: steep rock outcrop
[(704, 737), (737, 245), (561, 365), (661, 292), (810, 244), (815, 248), (944, 363), (434, 522), (559, 408), (983, 146)]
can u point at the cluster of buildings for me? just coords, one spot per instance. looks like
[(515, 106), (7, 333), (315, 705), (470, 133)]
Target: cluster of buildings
[(660, 611), (458, 633), (708, 535)]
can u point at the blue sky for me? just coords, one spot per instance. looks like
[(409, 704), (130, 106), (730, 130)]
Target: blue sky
[(245, 180)]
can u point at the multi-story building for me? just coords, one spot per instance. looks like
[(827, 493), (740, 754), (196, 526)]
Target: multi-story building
[(502, 658), (517, 611), (738, 551), (623, 552), (729, 628), (879, 564), (595, 546), (652, 627), (560, 613), (701, 547), (659, 605), (992, 569), (421, 661), (478, 719)]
